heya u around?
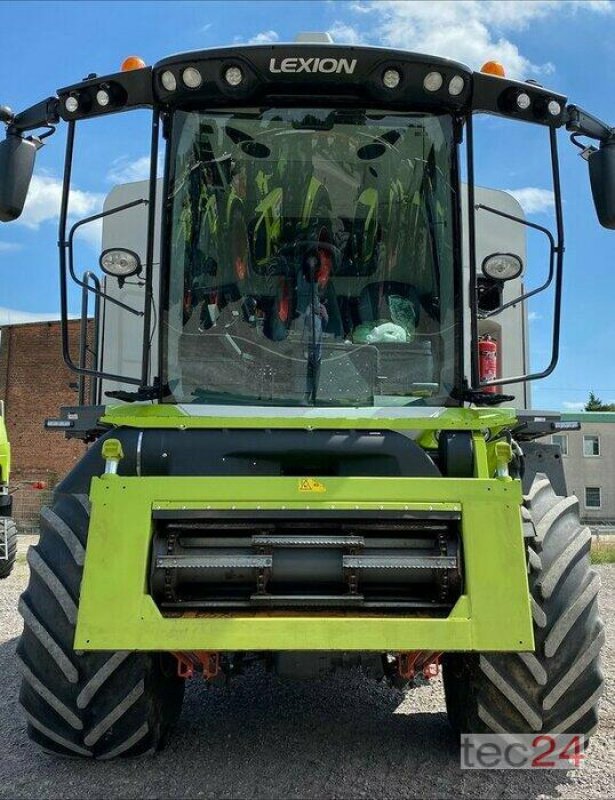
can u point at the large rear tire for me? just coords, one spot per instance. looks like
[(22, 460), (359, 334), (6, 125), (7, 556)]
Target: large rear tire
[(556, 688), (97, 705), (10, 534)]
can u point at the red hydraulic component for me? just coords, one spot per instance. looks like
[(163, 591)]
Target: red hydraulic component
[(284, 302), (185, 665), (202, 661), (425, 661), (325, 259), (488, 362)]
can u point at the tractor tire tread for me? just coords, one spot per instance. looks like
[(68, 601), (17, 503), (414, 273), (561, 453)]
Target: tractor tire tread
[(83, 704), (556, 688)]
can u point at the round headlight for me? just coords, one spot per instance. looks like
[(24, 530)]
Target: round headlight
[(554, 108), (233, 76), (168, 80), (523, 101), (433, 81), (502, 266), (71, 104), (192, 77), (102, 97), (455, 85), (120, 263), (391, 78)]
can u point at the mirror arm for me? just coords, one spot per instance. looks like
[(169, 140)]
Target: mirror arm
[(42, 115), (581, 122)]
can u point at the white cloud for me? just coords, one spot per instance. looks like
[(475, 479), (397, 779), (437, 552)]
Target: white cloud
[(533, 316), (470, 31), (123, 170), (11, 316), (44, 197), (343, 33), (91, 234), (265, 37), (127, 170), (205, 28), (576, 406), (9, 247), (532, 199)]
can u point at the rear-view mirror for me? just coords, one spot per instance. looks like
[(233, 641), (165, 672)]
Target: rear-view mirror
[(602, 178), (17, 157)]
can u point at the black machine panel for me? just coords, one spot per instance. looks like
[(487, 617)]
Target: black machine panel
[(393, 560)]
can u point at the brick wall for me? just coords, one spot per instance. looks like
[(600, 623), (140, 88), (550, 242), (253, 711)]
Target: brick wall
[(34, 383)]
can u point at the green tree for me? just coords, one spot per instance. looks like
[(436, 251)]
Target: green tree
[(595, 404)]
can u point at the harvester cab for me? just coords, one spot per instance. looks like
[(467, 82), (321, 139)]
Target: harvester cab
[(299, 448), (8, 529)]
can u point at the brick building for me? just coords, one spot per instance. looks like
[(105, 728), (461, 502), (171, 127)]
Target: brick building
[(34, 383)]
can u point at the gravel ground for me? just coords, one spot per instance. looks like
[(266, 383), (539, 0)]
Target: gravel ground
[(344, 737)]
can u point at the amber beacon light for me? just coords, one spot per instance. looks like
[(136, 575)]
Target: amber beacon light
[(493, 68), (132, 62)]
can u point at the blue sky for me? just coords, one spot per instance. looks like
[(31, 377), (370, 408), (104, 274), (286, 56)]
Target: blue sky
[(566, 45)]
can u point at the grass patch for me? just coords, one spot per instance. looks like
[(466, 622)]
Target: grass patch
[(603, 552)]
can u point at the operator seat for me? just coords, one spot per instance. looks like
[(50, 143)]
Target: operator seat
[(374, 300)]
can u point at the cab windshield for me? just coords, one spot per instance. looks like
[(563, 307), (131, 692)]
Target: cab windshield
[(311, 258)]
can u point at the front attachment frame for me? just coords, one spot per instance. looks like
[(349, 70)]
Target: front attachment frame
[(117, 613)]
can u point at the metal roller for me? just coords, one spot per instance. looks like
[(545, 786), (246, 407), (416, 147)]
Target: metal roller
[(393, 561)]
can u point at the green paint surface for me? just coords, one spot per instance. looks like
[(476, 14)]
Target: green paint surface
[(116, 612)]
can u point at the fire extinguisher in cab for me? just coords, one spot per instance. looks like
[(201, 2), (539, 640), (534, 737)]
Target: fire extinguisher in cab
[(488, 362)]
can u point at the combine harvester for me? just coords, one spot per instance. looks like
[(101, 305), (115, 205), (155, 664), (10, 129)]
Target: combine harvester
[(299, 449), (8, 529)]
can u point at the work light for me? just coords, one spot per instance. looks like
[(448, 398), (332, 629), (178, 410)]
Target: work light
[(391, 78), (102, 98), (433, 81), (554, 108), (523, 101), (168, 80), (456, 84), (233, 76), (192, 77), (120, 263), (502, 266)]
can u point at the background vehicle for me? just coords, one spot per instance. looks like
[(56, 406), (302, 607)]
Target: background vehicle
[(8, 529), (312, 469)]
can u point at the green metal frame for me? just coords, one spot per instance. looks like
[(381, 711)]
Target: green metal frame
[(117, 613), (5, 449), (164, 415), (493, 614)]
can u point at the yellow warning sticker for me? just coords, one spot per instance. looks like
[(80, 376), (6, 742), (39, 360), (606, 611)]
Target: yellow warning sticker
[(311, 485)]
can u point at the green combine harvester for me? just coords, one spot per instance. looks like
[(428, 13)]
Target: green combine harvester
[(311, 461), (8, 529)]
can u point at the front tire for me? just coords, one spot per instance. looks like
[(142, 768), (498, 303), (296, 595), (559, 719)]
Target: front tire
[(99, 705), (556, 688), (8, 540)]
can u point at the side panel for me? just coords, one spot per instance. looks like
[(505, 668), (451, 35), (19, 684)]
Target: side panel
[(510, 329), (545, 458), (121, 332), (116, 612)]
